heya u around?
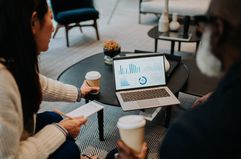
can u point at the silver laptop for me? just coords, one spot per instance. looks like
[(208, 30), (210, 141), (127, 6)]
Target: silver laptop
[(140, 82)]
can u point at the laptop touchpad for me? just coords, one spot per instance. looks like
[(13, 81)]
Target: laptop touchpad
[(147, 103)]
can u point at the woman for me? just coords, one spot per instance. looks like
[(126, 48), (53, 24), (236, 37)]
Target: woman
[(25, 31)]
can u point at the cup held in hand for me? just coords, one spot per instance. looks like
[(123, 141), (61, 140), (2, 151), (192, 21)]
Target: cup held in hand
[(93, 79), (131, 128)]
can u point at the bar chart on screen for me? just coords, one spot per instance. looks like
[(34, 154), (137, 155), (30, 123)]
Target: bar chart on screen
[(130, 69)]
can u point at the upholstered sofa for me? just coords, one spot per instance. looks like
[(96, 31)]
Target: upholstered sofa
[(182, 7)]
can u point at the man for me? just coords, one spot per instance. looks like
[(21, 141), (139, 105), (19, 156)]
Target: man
[(212, 129)]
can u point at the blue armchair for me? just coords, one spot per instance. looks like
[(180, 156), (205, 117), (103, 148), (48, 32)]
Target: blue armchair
[(69, 14)]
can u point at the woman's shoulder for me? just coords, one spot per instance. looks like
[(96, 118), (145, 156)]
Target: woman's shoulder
[(5, 75), (7, 81), (1, 64)]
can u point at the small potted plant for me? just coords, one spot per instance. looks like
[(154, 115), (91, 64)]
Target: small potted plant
[(111, 49)]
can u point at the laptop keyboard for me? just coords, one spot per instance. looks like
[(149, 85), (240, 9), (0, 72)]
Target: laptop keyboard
[(145, 94)]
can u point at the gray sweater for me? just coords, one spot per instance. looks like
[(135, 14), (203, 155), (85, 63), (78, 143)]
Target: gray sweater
[(15, 143)]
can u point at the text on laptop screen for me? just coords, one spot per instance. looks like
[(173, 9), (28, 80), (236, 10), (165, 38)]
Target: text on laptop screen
[(139, 72)]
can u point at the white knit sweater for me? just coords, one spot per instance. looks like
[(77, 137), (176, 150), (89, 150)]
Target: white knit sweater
[(14, 143)]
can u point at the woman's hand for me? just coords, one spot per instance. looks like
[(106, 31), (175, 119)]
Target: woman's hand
[(85, 89), (126, 153), (73, 125), (202, 99)]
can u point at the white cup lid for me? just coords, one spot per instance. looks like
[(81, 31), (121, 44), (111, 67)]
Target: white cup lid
[(131, 122), (92, 75)]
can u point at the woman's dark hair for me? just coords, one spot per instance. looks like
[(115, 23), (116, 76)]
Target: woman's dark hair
[(18, 48)]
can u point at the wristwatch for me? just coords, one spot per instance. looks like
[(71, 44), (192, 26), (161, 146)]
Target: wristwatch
[(79, 95)]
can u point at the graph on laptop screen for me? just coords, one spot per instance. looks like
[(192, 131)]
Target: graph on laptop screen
[(139, 72)]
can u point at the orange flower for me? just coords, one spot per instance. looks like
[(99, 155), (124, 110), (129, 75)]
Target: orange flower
[(111, 45)]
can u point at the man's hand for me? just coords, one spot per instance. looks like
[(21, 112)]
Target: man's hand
[(126, 153), (85, 89), (202, 99)]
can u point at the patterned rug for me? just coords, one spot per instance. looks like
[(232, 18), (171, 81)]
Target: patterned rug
[(89, 142)]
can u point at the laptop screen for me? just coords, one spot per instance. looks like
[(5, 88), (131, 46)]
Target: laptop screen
[(139, 72)]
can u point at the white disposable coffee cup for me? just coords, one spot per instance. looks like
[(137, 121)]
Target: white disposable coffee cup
[(93, 79), (131, 128), (167, 64)]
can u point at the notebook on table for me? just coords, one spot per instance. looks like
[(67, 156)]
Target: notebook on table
[(175, 36), (140, 82)]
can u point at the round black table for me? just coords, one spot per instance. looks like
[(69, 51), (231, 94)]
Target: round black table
[(155, 34), (75, 75)]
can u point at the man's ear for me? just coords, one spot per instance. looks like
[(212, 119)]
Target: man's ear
[(217, 37), (217, 33), (34, 22)]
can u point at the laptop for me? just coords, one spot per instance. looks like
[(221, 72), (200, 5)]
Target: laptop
[(140, 82)]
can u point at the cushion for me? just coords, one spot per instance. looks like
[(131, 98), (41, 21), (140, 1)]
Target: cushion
[(77, 15), (181, 7)]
